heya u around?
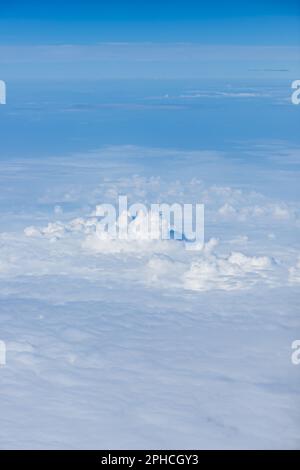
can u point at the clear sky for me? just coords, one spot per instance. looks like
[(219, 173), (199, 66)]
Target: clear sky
[(90, 21), (148, 39)]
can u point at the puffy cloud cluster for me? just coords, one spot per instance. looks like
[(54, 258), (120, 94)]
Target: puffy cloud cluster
[(210, 270), (239, 264), (167, 263), (221, 202), (137, 228), (234, 271), (142, 233), (274, 211), (52, 231)]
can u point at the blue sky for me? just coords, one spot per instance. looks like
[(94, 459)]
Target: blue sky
[(233, 22), (170, 39)]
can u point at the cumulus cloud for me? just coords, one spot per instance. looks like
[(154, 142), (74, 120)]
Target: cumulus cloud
[(211, 270), (51, 231), (235, 271), (167, 262), (105, 231), (235, 262), (277, 212)]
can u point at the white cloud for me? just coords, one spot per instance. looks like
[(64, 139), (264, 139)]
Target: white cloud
[(231, 272), (278, 212), (125, 331)]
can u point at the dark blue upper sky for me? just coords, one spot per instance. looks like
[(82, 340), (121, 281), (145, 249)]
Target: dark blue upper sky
[(90, 21), (123, 10)]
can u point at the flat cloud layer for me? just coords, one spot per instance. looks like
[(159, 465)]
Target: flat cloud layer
[(123, 343)]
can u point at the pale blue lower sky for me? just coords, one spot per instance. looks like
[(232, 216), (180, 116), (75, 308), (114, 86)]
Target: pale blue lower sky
[(50, 118)]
